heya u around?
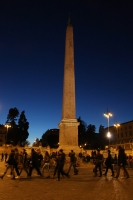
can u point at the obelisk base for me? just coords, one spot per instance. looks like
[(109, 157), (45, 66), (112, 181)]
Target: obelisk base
[(68, 135)]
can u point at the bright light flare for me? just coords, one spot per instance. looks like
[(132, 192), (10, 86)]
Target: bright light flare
[(7, 126), (116, 125), (108, 115), (108, 135)]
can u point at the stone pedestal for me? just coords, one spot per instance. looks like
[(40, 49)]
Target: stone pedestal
[(68, 135)]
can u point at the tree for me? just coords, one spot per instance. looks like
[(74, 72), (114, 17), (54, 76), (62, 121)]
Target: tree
[(26, 143), (23, 126), (12, 116), (91, 128), (36, 143), (91, 136), (13, 131), (101, 130), (102, 138), (82, 126), (50, 138), (18, 133), (81, 131)]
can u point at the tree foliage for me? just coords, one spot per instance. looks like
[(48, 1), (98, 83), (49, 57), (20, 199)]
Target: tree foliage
[(88, 138), (23, 126), (12, 116), (102, 137), (50, 138), (91, 128), (81, 131), (18, 133), (36, 143), (26, 143)]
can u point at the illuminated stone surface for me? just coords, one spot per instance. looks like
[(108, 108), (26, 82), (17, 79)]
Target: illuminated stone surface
[(68, 134), (83, 186)]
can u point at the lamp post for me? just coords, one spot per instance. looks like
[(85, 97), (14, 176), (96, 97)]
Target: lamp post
[(7, 126), (117, 126), (108, 115)]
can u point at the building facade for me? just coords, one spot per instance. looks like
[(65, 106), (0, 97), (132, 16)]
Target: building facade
[(121, 134), (3, 132)]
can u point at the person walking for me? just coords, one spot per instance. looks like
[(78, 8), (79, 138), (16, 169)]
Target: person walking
[(40, 158), (6, 156), (98, 163), (17, 162), (60, 164), (24, 164), (10, 164), (108, 163), (122, 162), (34, 163), (72, 162), (46, 164)]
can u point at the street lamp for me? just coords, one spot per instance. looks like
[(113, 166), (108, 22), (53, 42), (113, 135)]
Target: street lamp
[(7, 126), (117, 125), (108, 115)]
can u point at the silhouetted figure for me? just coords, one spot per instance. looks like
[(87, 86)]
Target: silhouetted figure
[(72, 162), (46, 164), (10, 164), (108, 163), (98, 163), (6, 156), (34, 163), (60, 164), (25, 162), (17, 162), (122, 162)]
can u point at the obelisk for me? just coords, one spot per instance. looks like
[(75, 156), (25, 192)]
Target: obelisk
[(68, 127)]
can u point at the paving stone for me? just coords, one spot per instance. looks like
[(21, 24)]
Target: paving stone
[(83, 186)]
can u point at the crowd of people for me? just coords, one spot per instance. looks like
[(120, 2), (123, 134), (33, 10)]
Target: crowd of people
[(17, 162), (120, 163)]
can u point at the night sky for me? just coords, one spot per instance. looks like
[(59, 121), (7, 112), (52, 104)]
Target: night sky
[(32, 44)]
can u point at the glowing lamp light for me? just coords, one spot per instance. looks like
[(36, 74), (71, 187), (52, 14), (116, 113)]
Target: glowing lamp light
[(108, 115), (108, 135), (116, 125), (7, 126)]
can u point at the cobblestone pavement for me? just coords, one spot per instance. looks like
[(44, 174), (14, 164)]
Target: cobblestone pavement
[(83, 186)]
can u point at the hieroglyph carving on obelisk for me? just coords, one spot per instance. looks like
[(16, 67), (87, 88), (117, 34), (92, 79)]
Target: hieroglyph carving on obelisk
[(68, 133)]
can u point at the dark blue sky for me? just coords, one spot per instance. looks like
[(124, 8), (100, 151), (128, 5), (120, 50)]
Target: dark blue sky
[(32, 43)]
